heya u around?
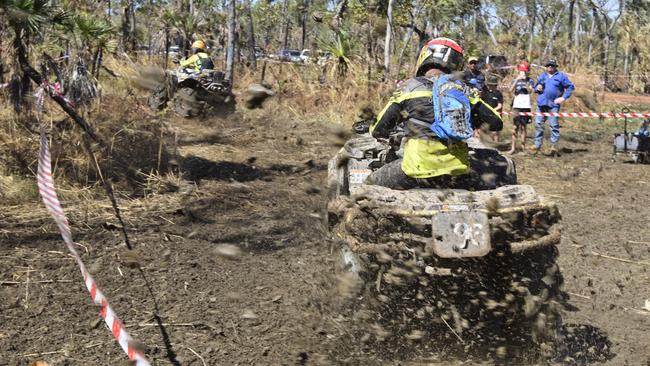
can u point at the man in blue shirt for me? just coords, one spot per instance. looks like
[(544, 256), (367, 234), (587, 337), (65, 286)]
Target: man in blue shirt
[(553, 88)]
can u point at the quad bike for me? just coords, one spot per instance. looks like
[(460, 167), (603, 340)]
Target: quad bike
[(475, 259), (194, 94), (636, 145)]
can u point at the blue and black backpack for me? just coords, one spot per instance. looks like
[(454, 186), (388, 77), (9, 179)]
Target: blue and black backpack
[(452, 110)]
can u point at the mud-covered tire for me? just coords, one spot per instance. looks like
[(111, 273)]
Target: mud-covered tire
[(187, 104), (510, 299), (336, 179), (220, 106), (157, 101)]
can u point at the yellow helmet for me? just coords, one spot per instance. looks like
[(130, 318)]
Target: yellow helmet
[(442, 53), (199, 45)]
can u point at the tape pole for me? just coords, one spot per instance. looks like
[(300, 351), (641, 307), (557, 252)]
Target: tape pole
[(47, 191), (579, 114)]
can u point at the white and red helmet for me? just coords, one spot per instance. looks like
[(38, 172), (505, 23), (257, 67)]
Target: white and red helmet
[(442, 53)]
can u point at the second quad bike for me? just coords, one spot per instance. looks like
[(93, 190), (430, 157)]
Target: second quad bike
[(636, 144), (194, 94), (481, 257)]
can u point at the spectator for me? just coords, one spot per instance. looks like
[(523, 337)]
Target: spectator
[(522, 87), (553, 87), (472, 72), (493, 97)]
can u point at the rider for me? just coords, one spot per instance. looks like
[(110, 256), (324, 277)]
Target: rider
[(199, 60), (428, 160)]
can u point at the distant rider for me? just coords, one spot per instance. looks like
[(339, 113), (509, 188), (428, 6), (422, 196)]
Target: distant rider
[(199, 60), (428, 160)]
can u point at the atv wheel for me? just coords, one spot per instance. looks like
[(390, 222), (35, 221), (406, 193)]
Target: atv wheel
[(158, 99), (220, 106), (186, 103)]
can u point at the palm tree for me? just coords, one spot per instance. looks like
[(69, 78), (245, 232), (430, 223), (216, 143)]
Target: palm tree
[(28, 18), (95, 36), (340, 48)]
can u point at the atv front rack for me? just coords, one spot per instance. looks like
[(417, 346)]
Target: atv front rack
[(516, 220)]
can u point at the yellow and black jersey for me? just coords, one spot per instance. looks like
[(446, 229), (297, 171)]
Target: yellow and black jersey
[(425, 155)]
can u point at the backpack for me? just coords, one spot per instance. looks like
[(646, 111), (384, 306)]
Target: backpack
[(452, 110)]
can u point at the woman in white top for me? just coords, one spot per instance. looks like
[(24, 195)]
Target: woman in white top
[(522, 87)]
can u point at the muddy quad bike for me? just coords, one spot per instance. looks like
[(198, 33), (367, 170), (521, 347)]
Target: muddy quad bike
[(636, 145), (478, 259), (194, 94)]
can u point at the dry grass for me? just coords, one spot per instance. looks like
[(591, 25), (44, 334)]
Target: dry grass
[(141, 142)]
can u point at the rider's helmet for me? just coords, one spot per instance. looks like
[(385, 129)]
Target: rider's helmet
[(441, 53), (198, 46)]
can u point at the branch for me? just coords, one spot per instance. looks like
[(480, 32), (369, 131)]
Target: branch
[(36, 77)]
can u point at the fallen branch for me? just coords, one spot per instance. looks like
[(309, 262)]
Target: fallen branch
[(638, 242), (452, 330), (23, 283), (578, 295), (619, 259), (197, 355), (40, 353), (170, 324)]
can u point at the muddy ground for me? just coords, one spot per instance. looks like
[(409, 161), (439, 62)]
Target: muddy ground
[(257, 184)]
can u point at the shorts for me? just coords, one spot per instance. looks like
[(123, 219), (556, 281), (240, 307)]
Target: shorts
[(521, 120)]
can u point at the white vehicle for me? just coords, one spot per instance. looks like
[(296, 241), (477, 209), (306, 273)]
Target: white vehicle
[(305, 55)]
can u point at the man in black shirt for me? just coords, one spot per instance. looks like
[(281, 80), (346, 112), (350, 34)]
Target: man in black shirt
[(493, 97)]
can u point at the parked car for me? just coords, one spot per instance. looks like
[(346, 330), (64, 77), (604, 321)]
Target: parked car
[(493, 63), (324, 57), (260, 52), (289, 56), (305, 55)]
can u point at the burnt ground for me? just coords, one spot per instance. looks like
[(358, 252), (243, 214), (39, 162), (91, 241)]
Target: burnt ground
[(239, 260)]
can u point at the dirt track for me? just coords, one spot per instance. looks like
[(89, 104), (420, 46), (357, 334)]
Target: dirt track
[(259, 186)]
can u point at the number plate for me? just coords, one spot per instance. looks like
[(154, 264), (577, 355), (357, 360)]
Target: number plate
[(358, 176), (461, 233)]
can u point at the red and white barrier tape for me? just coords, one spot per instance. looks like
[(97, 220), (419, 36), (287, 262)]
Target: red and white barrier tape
[(579, 114), (51, 201)]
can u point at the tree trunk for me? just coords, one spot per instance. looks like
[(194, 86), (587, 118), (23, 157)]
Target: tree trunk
[(570, 20), (285, 30), (591, 40), (128, 27), (252, 60), (531, 9), (230, 56), (303, 23), (409, 34), (608, 36), (626, 70), (166, 47), (548, 49), (576, 31), (487, 26), (389, 30)]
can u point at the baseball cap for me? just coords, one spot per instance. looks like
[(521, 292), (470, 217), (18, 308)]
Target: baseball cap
[(523, 66), (472, 59), (551, 62)]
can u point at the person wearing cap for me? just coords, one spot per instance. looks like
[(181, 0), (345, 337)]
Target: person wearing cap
[(472, 72), (553, 88), (522, 87)]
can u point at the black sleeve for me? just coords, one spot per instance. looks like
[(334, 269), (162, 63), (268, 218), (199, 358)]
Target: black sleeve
[(387, 120), (483, 113), (499, 97)]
